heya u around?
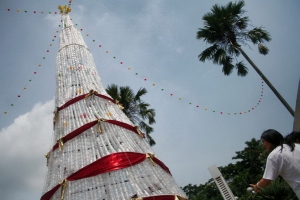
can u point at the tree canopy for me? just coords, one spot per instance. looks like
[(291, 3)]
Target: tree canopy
[(249, 168), (134, 107), (225, 28)]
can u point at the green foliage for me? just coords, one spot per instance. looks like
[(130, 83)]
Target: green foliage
[(263, 49), (278, 190), (226, 29), (241, 68), (134, 107), (204, 192), (248, 169)]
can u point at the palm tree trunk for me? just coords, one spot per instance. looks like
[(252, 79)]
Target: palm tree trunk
[(288, 107), (297, 112)]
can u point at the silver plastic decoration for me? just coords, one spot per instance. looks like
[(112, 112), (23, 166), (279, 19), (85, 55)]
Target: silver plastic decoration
[(76, 75)]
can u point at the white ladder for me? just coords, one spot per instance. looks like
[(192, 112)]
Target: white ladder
[(221, 183)]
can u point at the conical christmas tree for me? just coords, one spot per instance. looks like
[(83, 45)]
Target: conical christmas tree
[(97, 153)]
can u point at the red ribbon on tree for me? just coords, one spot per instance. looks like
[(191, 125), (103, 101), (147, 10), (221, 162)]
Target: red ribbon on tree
[(91, 124), (105, 164)]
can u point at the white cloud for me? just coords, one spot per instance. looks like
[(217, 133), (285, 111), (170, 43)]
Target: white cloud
[(53, 19), (81, 8), (179, 50), (22, 146)]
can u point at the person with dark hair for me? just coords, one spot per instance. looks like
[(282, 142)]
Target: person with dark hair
[(293, 137), (283, 160)]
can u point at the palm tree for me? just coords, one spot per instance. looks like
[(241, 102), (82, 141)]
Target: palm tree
[(225, 28), (135, 109)]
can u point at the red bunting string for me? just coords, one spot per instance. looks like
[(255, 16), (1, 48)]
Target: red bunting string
[(29, 80), (189, 102), (197, 104), (38, 12), (143, 77)]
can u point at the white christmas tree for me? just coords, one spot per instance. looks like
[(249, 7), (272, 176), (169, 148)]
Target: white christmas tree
[(97, 153)]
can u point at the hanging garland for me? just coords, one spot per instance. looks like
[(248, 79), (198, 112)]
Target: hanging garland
[(133, 72), (30, 79), (39, 65), (136, 73)]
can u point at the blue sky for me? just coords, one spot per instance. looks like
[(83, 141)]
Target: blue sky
[(157, 40)]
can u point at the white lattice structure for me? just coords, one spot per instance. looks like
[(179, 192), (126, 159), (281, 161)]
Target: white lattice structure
[(221, 183), (83, 145)]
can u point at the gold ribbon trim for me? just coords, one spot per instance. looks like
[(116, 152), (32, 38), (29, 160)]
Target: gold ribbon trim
[(91, 93), (139, 132), (60, 143), (120, 105), (64, 184), (151, 156), (177, 197), (47, 155), (99, 124), (135, 197)]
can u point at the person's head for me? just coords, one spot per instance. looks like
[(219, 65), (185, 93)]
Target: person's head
[(271, 139), (293, 137)]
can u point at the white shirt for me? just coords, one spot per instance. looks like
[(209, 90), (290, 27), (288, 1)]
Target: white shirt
[(285, 164)]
